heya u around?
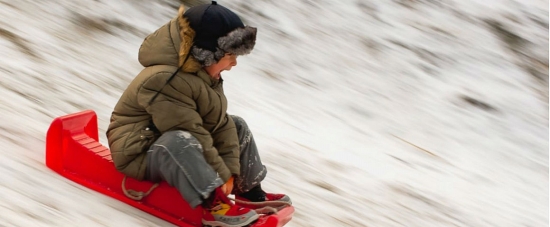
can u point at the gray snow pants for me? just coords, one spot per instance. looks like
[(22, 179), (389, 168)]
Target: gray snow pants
[(177, 158)]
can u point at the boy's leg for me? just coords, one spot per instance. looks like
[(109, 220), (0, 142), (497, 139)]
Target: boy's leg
[(248, 185), (177, 158), (252, 169)]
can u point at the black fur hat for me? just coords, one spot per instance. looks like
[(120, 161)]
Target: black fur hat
[(218, 30)]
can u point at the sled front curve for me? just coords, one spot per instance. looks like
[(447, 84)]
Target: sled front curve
[(73, 151)]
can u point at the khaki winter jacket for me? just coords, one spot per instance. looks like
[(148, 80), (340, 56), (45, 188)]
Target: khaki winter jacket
[(191, 101)]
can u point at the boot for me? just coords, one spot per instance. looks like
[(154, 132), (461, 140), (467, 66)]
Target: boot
[(257, 198), (220, 211)]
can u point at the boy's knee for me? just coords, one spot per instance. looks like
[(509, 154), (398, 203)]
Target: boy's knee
[(179, 138), (239, 122)]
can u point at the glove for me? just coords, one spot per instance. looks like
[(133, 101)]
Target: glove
[(228, 186)]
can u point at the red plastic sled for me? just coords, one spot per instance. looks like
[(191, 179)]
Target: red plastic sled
[(73, 150)]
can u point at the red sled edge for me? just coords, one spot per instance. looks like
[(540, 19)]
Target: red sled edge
[(275, 220)]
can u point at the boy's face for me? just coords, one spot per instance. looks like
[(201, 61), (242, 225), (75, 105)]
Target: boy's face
[(225, 63)]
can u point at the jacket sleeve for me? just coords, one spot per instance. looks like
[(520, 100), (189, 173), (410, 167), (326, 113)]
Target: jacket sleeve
[(174, 108), (227, 142)]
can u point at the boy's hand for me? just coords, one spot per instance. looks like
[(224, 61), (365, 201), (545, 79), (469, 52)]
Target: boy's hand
[(228, 186)]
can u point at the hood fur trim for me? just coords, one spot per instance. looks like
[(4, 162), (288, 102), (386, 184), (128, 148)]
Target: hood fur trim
[(187, 34)]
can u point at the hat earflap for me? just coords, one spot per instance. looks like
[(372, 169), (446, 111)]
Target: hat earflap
[(206, 57)]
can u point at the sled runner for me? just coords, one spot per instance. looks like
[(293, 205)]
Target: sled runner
[(73, 151)]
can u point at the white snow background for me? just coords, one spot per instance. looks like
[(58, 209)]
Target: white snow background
[(367, 113)]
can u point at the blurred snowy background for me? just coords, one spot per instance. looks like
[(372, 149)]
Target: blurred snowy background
[(367, 113)]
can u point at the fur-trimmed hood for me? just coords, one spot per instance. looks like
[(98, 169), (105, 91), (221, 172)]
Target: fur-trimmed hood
[(170, 45)]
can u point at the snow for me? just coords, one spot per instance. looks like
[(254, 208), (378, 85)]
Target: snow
[(367, 113)]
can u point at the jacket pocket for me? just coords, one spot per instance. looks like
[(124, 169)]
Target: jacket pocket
[(147, 134), (147, 138), (139, 142)]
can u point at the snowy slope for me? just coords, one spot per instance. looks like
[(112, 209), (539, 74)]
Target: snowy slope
[(367, 113)]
